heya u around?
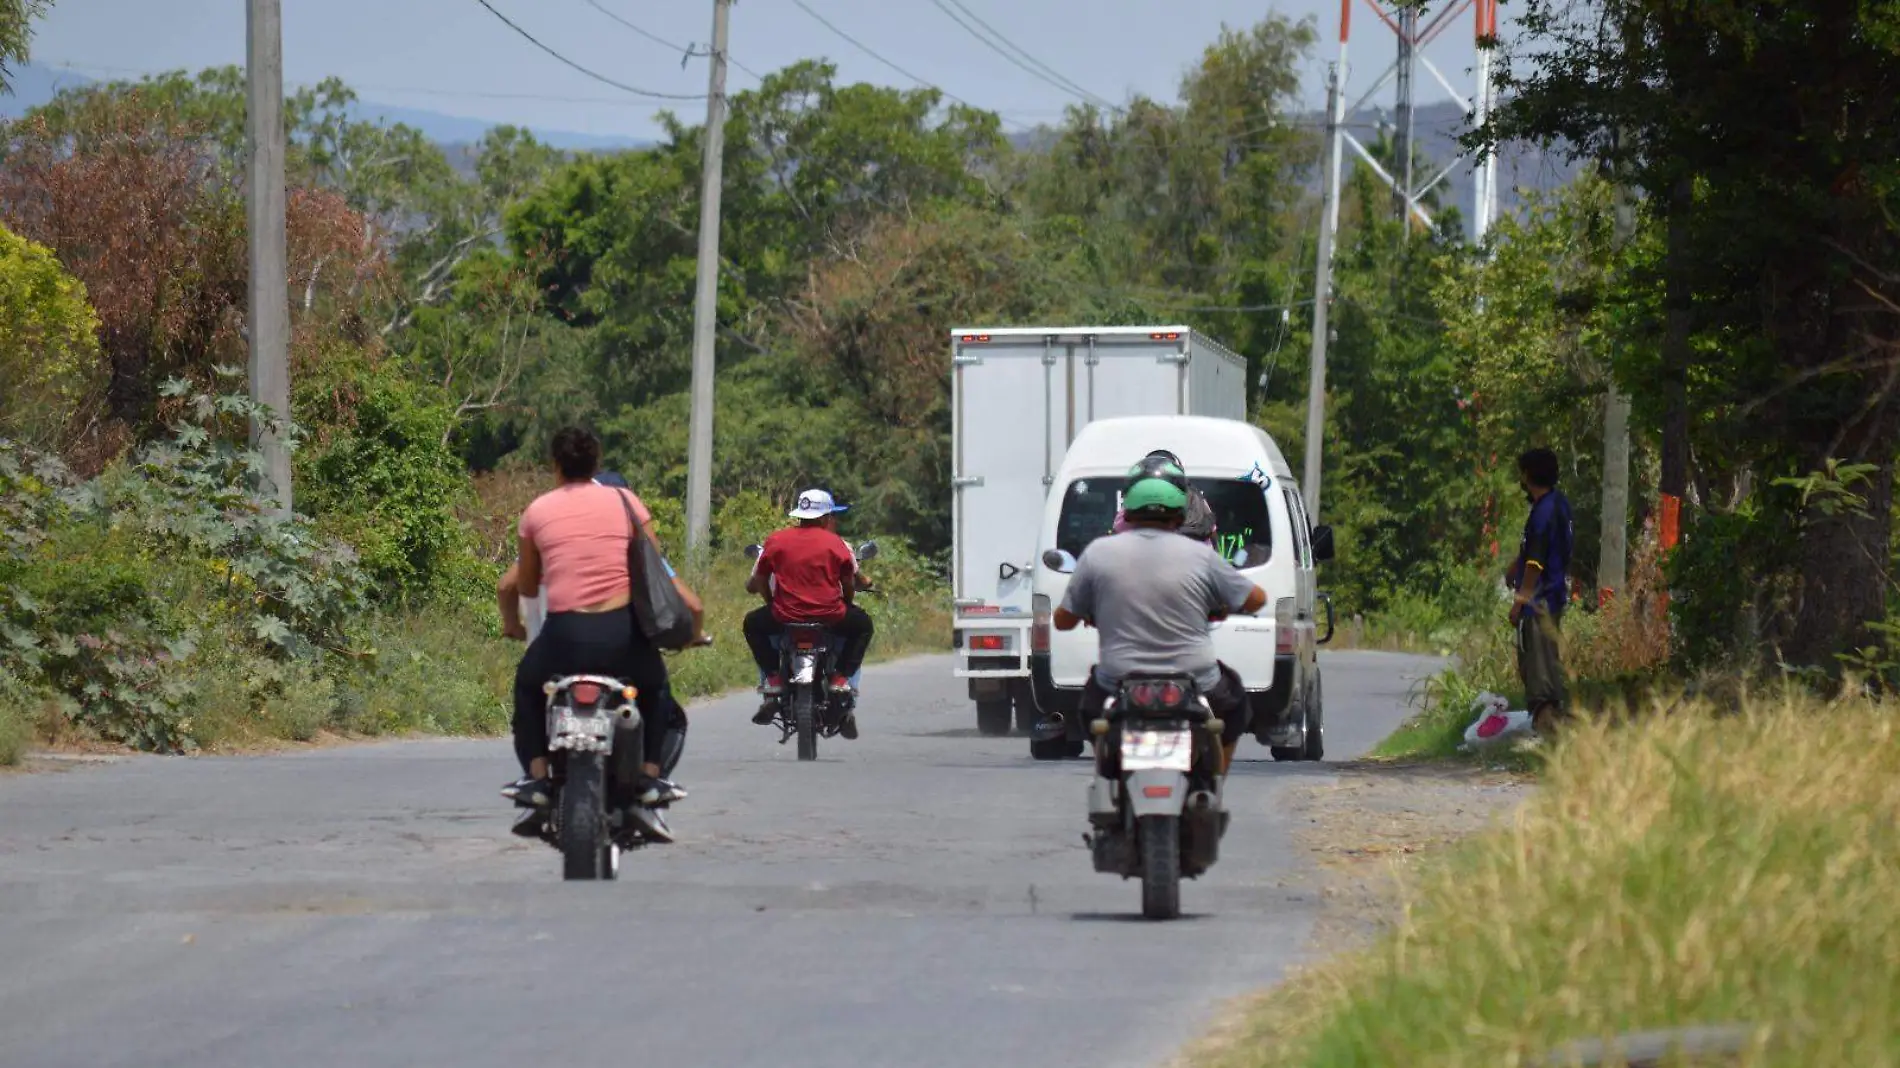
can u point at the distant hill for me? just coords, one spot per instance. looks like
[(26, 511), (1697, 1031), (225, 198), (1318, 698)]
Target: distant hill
[(34, 85)]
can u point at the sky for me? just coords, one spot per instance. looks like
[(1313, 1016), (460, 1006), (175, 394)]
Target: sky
[(455, 57)]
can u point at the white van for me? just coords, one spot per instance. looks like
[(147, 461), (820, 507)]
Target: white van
[(1260, 525)]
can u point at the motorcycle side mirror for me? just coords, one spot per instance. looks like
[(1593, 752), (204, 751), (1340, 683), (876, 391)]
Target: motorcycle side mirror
[(1322, 543), (867, 551), (753, 552), (1059, 561)]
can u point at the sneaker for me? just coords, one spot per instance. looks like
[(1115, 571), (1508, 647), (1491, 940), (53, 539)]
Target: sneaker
[(840, 684), (651, 822), (849, 728), (772, 686), (528, 792), (661, 792), (768, 711)]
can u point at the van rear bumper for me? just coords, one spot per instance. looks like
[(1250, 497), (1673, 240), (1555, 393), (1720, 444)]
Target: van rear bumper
[(1271, 702)]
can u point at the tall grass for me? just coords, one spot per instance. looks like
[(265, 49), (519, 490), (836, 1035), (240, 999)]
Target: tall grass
[(1688, 869)]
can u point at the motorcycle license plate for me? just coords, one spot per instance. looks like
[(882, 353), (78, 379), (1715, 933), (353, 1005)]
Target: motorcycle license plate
[(570, 731), (1157, 750)]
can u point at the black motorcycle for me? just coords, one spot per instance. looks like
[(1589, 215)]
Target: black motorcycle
[(595, 753), (808, 657)]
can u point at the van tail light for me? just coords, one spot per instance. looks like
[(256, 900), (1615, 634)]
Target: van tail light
[(1039, 627), (1284, 619)]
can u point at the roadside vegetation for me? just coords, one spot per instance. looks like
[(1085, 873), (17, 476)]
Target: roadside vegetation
[(1694, 867)]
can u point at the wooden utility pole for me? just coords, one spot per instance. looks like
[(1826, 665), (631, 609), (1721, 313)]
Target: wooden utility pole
[(699, 452), (269, 311)]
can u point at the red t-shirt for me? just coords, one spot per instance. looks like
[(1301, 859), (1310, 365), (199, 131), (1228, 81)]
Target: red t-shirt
[(809, 567)]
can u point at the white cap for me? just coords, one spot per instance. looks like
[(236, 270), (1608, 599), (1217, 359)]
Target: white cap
[(814, 504)]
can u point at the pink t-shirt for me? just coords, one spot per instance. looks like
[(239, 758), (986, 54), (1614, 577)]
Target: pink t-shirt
[(582, 534)]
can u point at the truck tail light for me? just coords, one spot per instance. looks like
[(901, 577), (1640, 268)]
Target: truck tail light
[(988, 643), (1039, 627), (1284, 620)]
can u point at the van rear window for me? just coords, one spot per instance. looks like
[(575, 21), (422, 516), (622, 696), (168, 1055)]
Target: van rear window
[(1242, 528)]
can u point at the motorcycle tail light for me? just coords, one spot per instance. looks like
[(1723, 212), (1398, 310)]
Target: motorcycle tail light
[(1170, 695), (585, 693)]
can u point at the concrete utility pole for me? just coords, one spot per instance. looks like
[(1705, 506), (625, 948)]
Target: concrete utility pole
[(269, 311), (699, 451), (1402, 136), (1613, 561), (1323, 286)]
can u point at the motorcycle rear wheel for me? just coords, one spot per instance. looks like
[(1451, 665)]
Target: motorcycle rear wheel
[(585, 846), (1160, 866), (805, 719)]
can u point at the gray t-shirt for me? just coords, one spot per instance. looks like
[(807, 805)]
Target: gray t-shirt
[(1150, 593)]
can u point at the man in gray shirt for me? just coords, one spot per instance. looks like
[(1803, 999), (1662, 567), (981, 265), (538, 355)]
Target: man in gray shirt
[(1151, 592)]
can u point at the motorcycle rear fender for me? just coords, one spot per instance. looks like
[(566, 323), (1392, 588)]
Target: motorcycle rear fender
[(1155, 792)]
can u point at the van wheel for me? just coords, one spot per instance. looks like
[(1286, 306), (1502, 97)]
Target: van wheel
[(993, 717), (1315, 747)]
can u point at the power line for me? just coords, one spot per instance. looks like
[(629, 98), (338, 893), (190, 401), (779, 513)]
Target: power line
[(663, 42), (1055, 77), (1050, 77), (601, 78), (873, 53)]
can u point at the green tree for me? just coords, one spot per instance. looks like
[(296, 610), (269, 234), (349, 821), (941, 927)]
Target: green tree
[(49, 356), (16, 31)]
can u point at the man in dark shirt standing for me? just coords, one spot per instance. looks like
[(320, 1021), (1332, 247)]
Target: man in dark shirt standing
[(1540, 580)]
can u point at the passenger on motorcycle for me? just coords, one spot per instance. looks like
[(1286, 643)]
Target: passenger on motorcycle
[(1151, 593), (1198, 521), (808, 574), (573, 545)]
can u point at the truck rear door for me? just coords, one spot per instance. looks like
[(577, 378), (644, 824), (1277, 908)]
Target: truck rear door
[(1009, 418)]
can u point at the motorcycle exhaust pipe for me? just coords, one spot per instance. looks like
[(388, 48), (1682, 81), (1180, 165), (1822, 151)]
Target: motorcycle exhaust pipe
[(1202, 801), (1052, 727)]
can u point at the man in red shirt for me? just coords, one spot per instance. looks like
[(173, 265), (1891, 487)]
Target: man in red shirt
[(808, 575)]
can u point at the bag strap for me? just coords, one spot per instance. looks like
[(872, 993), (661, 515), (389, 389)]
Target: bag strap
[(633, 544)]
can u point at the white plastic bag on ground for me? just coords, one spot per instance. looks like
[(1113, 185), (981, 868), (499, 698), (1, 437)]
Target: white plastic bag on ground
[(1495, 722)]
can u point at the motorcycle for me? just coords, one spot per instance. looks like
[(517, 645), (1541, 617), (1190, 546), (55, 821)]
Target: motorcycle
[(1156, 818), (594, 758), (808, 654)]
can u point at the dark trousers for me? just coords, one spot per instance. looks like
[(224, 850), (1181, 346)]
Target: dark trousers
[(593, 643), (1540, 663), (855, 629), (1228, 699)]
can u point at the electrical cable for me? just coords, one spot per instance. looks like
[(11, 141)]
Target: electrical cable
[(1059, 79), (1056, 81), (664, 43), (601, 78)]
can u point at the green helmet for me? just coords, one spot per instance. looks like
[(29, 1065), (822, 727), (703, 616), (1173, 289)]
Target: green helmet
[(1155, 493)]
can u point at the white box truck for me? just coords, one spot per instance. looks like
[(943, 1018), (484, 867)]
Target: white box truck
[(1019, 395)]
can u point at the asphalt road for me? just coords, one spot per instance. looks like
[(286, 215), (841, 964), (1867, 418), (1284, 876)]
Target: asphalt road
[(919, 898)]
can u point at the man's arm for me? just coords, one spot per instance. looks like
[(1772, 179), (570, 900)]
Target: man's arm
[(1078, 604), (508, 599), (759, 583)]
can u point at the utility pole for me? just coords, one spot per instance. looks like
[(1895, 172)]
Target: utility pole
[(269, 310), (1402, 138), (1613, 560), (1323, 284), (699, 450)]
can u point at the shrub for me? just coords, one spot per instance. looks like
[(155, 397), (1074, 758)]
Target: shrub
[(49, 354)]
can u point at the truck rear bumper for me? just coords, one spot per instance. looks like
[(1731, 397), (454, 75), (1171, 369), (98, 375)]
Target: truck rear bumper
[(991, 648)]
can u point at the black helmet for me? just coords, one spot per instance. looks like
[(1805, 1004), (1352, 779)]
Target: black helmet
[(1163, 454)]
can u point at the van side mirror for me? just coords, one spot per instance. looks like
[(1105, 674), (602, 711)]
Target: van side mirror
[(867, 551), (1059, 561), (1322, 543), (753, 552)]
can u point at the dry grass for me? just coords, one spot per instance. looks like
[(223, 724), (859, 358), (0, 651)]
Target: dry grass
[(1688, 869)]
